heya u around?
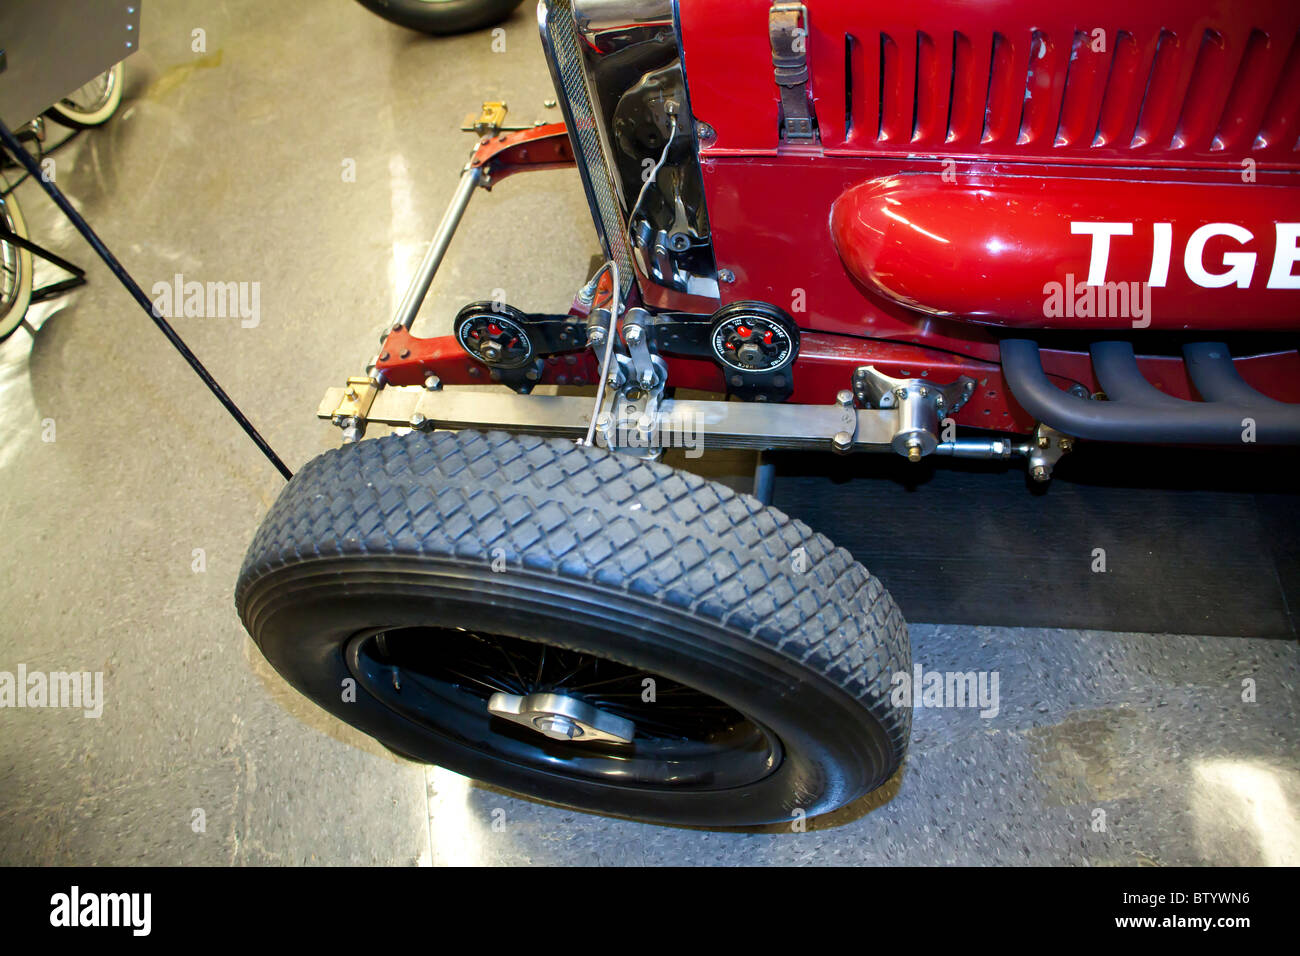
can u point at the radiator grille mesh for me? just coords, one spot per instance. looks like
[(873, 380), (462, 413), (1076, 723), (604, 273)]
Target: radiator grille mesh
[(567, 68)]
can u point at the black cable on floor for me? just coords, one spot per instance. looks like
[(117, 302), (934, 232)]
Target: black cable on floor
[(16, 149)]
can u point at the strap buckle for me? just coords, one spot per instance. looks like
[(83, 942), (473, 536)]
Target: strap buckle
[(788, 31)]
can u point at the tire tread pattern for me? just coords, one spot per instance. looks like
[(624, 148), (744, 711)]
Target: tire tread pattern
[(558, 508)]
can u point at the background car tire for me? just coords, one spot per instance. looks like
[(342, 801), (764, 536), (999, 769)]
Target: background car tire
[(442, 16), (591, 553)]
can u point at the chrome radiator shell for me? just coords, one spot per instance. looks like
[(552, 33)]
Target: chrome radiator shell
[(558, 27)]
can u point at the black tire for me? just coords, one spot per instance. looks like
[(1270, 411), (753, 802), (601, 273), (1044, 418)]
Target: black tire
[(442, 16), (601, 556)]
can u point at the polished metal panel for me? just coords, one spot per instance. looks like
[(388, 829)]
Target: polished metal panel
[(603, 18), (53, 47)]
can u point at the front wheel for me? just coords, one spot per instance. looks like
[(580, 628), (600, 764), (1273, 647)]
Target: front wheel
[(442, 16), (581, 627)]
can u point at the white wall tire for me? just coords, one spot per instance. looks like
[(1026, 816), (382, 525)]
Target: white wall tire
[(16, 263), (81, 114)]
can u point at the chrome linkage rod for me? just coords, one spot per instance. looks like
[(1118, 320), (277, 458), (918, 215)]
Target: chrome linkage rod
[(470, 178)]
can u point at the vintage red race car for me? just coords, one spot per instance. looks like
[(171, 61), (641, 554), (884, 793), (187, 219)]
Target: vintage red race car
[(993, 230)]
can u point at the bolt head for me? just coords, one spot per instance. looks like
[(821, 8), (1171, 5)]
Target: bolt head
[(432, 382), (726, 275), (632, 334), (1040, 473), (557, 727), (1044, 441), (842, 442), (844, 398)]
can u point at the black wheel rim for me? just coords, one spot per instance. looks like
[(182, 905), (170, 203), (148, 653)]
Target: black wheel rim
[(441, 678)]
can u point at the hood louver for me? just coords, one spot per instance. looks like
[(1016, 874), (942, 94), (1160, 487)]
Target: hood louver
[(1196, 94)]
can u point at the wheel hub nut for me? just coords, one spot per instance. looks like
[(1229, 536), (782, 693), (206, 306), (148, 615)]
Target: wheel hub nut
[(561, 717), (558, 727)]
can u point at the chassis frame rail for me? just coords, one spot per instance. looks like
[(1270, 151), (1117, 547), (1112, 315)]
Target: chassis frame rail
[(677, 423)]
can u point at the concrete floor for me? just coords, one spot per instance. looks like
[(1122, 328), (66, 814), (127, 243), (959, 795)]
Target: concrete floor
[(226, 165)]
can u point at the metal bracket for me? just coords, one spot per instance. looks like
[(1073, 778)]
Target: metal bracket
[(919, 403), (637, 333), (353, 406), (630, 425), (1045, 450), (490, 120)]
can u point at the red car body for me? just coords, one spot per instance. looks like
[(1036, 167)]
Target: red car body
[(910, 229), (982, 168)]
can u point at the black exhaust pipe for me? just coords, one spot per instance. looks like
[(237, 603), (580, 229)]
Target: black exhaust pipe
[(1137, 412)]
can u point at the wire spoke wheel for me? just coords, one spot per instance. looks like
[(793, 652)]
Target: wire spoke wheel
[(93, 95), (444, 678), (92, 103), (581, 627), (15, 265)]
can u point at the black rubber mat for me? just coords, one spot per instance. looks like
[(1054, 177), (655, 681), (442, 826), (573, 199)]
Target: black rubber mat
[(1191, 542)]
